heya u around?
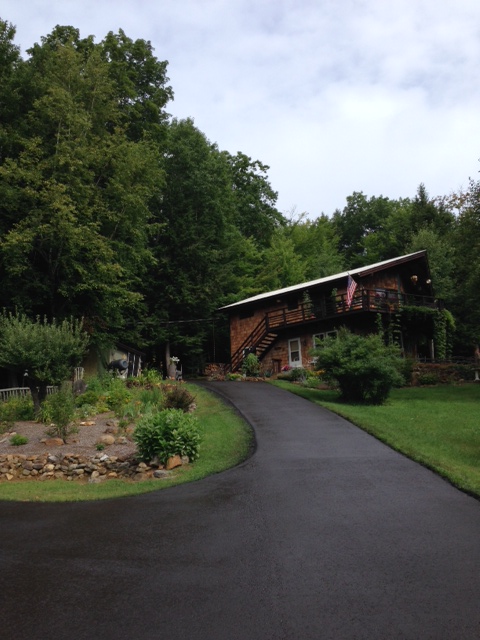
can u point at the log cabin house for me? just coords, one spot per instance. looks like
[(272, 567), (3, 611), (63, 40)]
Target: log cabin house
[(281, 327)]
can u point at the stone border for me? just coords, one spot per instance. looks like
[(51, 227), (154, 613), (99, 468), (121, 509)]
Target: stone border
[(74, 467)]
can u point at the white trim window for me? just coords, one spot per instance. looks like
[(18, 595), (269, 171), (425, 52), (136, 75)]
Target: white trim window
[(295, 352)]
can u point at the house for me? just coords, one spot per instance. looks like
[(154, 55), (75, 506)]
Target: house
[(281, 327)]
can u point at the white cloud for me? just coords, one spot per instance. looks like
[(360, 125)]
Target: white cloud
[(335, 95)]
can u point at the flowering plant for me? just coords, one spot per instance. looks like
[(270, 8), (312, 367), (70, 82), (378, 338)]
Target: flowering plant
[(174, 360)]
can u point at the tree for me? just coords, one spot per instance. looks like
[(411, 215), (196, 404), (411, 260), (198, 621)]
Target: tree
[(254, 199), (44, 352), (316, 243), (76, 199), (465, 240)]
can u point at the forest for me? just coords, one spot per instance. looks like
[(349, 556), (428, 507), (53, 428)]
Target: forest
[(115, 212)]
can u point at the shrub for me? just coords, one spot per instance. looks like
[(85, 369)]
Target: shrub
[(298, 374), (426, 379), (178, 397), (90, 397), (251, 366), (17, 440), (58, 410), (17, 409), (363, 366), (167, 433), (234, 376), (117, 396)]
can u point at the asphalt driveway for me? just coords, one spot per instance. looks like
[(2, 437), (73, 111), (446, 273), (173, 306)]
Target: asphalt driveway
[(323, 533)]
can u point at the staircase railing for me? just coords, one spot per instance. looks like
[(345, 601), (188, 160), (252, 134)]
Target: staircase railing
[(251, 341)]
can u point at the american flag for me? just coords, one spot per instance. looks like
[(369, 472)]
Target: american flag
[(351, 286)]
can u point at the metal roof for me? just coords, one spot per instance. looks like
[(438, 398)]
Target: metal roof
[(337, 276)]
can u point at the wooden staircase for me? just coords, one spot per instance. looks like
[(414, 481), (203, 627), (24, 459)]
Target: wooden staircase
[(259, 342)]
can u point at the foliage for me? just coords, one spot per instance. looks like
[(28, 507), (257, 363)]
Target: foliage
[(17, 440), (58, 412), (234, 377), (295, 374), (426, 379), (364, 367), (178, 397), (226, 441), (117, 396), (167, 433), (15, 409), (45, 351), (425, 321), (251, 365)]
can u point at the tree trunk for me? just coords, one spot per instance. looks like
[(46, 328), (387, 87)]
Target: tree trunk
[(38, 391)]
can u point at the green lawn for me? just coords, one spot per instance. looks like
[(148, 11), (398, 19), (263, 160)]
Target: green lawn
[(436, 426), (226, 442)]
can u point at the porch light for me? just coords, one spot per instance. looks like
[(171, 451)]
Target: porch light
[(414, 279), (429, 281)]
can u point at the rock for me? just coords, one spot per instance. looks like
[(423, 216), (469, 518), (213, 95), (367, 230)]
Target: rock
[(9, 476), (53, 442), (161, 473), (174, 461), (107, 439), (121, 440)]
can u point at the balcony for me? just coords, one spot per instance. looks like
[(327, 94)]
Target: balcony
[(374, 300)]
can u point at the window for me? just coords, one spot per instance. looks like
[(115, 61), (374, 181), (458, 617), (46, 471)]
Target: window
[(318, 337)]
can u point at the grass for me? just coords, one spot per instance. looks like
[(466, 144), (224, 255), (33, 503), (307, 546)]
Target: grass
[(438, 427), (226, 441)]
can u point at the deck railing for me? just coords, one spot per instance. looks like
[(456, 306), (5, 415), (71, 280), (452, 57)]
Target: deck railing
[(20, 392), (373, 300)]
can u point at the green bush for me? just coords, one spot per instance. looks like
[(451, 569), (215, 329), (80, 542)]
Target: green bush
[(90, 397), (234, 376), (426, 379), (363, 366), (167, 433), (17, 409), (58, 412), (117, 396), (251, 366), (298, 374), (17, 440)]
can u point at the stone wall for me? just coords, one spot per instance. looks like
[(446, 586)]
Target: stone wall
[(77, 468)]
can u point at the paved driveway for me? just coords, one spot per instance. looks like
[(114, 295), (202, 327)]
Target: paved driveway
[(323, 533)]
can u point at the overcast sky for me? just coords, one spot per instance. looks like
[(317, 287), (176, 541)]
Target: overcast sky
[(336, 96)]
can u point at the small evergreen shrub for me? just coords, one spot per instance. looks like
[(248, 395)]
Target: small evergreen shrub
[(363, 366), (167, 433)]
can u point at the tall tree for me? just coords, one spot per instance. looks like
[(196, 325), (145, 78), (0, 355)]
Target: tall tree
[(77, 196), (254, 199)]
